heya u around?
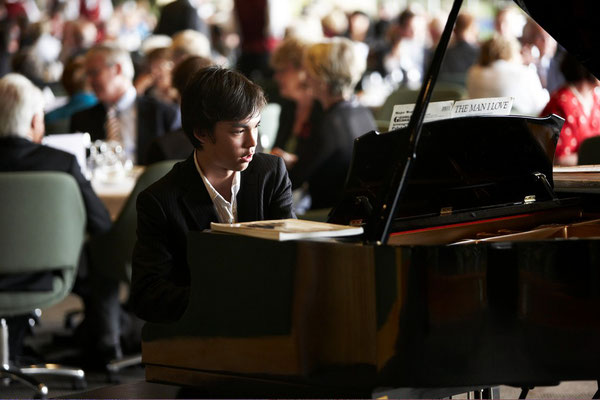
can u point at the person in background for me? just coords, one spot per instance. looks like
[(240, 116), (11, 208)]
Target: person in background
[(74, 81), (176, 145), (334, 67), (300, 111), (78, 37), (463, 51), (359, 27), (223, 180), (257, 40), (435, 29), (178, 16), (122, 115), (407, 53), (21, 132), (156, 82), (334, 23), (189, 43), (541, 51), (579, 104), (500, 72), (508, 22)]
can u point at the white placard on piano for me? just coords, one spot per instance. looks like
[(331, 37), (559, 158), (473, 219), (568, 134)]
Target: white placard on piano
[(74, 143), (436, 110), (485, 106)]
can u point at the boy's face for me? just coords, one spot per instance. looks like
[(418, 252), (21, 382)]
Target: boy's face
[(233, 146)]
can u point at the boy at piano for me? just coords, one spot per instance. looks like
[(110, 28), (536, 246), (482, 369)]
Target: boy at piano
[(223, 180)]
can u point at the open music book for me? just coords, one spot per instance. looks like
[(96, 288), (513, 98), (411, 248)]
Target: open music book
[(287, 229)]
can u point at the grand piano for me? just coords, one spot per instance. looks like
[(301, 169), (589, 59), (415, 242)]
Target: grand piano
[(473, 270)]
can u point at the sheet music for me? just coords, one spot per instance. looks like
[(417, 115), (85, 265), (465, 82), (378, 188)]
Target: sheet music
[(451, 109), (436, 110), (74, 143)]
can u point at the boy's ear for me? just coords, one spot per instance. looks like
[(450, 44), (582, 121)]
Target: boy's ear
[(200, 135)]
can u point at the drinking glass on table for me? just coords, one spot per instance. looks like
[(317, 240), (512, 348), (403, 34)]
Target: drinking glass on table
[(108, 161)]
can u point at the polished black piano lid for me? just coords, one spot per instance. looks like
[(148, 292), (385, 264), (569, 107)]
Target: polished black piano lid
[(573, 23), (466, 169), (469, 168)]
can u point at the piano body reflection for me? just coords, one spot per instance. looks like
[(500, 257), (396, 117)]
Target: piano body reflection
[(488, 276)]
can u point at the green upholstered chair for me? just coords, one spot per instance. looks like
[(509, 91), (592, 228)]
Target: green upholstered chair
[(112, 251), (269, 123), (42, 226)]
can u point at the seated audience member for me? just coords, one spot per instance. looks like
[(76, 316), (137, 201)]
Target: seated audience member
[(74, 82), (300, 111), (189, 43), (224, 180), (21, 132), (178, 16), (156, 80), (508, 22), (176, 145), (463, 51), (407, 53), (500, 72), (541, 51), (78, 37), (334, 67), (579, 104), (122, 115)]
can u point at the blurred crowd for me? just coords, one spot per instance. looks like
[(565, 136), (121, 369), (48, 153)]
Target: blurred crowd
[(505, 54)]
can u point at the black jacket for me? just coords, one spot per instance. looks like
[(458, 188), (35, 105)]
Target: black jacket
[(20, 154), (154, 119), (179, 203), (324, 157)]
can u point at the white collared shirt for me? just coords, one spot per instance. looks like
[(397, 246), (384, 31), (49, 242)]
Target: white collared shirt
[(226, 211), (127, 115)]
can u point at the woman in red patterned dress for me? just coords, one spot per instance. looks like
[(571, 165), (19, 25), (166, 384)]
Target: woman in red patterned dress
[(579, 104)]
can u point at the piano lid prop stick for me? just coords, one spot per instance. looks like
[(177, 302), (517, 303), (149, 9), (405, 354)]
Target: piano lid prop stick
[(379, 232)]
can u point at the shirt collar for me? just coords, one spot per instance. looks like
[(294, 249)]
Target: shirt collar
[(127, 100), (235, 185)]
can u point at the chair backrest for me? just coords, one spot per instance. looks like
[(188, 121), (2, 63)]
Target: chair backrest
[(589, 151), (42, 226), (269, 124), (111, 252)]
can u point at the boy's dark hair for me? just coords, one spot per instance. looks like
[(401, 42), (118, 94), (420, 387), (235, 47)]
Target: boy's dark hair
[(216, 94), (186, 69)]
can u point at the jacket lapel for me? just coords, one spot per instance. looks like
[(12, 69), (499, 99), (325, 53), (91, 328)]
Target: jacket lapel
[(247, 201), (196, 200)]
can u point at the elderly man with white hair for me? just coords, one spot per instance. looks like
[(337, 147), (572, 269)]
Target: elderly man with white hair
[(21, 132), (122, 115)]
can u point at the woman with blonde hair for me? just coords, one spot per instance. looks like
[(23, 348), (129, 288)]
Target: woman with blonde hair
[(299, 109), (500, 72), (334, 67)]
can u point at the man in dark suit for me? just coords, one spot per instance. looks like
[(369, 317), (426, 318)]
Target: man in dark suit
[(178, 16), (224, 180), (140, 119), (21, 132)]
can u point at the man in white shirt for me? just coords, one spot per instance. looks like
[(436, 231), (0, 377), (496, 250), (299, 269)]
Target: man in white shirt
[(121, 114), (224, 180)]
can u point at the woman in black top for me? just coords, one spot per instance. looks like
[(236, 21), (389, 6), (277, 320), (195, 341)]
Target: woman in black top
[(334, 67)]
